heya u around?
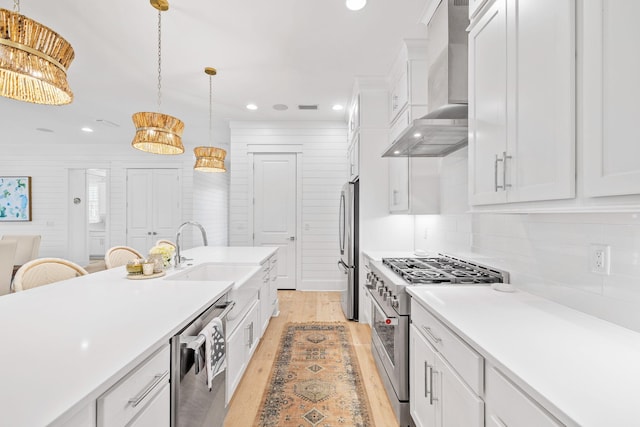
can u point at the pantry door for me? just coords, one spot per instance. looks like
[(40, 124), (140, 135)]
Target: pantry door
[(153, 206), (275, 210)]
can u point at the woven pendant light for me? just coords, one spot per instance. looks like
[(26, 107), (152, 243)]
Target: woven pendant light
[(158, 133), (210, 159), (33, 60)]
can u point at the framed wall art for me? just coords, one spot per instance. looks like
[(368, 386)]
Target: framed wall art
[(15, 198)]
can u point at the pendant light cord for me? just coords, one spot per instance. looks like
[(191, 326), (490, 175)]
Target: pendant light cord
[(159, 59), (16, 6), (210, 112)]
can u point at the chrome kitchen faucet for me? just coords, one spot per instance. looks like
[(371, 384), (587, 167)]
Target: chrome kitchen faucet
[(178, 258)]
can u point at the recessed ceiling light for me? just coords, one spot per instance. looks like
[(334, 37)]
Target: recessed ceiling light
[(87, 129), (280, 107), (417, 135), (252, 107), (356, 4), (46, 130), (337, 107)]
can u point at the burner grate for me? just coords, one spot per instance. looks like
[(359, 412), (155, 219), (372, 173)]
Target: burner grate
[(434, 270)]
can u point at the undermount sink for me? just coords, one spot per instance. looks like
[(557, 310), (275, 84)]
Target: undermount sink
[(211, 271), (246, 279)]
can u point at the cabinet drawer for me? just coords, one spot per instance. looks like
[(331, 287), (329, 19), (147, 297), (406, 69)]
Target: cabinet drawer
[(143, 384), (273, 262), (509, 406), (460, 356)]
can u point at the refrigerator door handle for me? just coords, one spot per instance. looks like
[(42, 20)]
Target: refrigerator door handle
[(344, 267), (341, 224)]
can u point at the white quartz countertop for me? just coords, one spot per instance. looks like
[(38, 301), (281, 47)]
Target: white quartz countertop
[(378, 255), (231, 254), (64, 344), (583, 369)]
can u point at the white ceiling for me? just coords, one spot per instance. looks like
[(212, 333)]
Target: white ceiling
[(266, 52)]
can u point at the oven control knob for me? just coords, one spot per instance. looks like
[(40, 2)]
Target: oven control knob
[(394, 302), (386, 295)]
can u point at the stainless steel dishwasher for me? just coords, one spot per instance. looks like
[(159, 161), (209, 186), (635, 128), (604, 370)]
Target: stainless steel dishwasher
[(192, 403)]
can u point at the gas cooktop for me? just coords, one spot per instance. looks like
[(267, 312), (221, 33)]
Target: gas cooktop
[(443, 269)]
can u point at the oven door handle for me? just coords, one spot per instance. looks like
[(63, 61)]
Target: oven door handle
[(390, 320)]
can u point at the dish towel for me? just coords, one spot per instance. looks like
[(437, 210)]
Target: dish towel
[(214, 349)]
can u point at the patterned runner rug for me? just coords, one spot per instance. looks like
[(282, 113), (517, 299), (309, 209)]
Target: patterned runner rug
[(315, 380)]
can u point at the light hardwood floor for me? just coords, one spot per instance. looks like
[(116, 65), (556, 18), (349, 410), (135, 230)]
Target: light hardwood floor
[(298, 306)]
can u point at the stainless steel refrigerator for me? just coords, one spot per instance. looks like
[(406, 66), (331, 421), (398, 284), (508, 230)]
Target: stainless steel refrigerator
[(349, 249)]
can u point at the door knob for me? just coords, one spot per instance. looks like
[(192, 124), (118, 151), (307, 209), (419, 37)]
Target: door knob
[(292, 238)]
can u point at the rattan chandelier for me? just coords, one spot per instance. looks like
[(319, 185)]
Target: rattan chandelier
[(33, 60), (158, 133), (210, 159)]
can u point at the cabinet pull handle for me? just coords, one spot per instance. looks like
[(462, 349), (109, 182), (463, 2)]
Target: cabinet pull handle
[(135, 401), (426, 380), (504, 170), (431, 335), (431, 399), (495, 174), (250, 338)]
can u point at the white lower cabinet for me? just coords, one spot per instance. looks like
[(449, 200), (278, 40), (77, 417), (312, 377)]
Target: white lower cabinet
[(141, 398), (439, 396), (507, 405), (452, 384), (241, 344), (266, 307), (157, 412)]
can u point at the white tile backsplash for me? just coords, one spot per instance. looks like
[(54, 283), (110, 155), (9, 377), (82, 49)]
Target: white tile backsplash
[(545, 253)]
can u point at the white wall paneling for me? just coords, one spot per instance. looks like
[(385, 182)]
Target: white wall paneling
[(322, 155), (48, 160), (211, 204)]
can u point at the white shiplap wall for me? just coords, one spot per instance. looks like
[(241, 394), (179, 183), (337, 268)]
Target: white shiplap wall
[(324, 171), (48, 163), (211, 203)]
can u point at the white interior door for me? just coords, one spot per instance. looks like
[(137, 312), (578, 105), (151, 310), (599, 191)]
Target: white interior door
[(139, 209), (275, 210), (153, 206)]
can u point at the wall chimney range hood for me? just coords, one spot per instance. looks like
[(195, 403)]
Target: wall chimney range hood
[(445, 128)]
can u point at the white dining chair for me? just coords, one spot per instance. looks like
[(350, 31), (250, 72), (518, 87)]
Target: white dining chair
[(28, 247), (120, 255), (42, 271), (7, 255)]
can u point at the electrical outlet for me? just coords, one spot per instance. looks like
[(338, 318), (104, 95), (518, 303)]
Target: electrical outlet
[(600, 259)]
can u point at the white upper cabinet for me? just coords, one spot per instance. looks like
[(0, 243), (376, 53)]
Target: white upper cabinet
[(354, 118), (522, 102), (414, 185), (611, 93), (353, 152), (475, 6), (408, 82)]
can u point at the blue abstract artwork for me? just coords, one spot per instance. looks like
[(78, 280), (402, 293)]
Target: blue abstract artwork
[(15, 198)]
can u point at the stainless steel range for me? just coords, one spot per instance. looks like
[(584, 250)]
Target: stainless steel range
[(391, 312)]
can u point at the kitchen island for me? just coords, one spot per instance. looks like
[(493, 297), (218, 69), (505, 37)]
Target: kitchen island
[(65, 344), (582, 370)]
